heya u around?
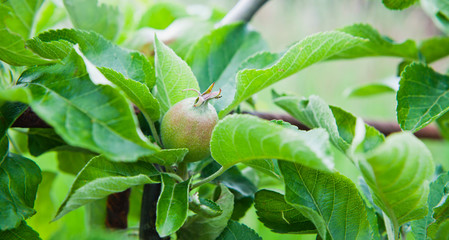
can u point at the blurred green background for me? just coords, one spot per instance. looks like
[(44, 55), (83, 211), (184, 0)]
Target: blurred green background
[(281, 23)]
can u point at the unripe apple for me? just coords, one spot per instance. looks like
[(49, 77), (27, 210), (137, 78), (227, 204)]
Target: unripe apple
[(189, 124)]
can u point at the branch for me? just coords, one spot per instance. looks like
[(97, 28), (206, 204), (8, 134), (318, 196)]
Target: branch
[(30, 120), (243, 11), (387, 128), (117, 208), (147, 227)]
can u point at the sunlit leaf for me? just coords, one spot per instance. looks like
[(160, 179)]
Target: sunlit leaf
[(241, 138), (422, 96), (377, 45), (63, 95), (16, 25), (312, 49), (161, 14), (173, 76), (398, 173), (44, 205), (371, 89), (434, 48), (137, 92), (57, 44), (92, 16), (315, 113)]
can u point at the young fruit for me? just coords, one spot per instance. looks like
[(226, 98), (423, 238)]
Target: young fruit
[(189, 124)]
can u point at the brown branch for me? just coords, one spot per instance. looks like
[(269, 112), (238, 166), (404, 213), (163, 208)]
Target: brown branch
[(387, 128), (117, 208), (30, 120)]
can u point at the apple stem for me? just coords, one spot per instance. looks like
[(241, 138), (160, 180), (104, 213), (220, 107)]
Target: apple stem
[(206, 95)]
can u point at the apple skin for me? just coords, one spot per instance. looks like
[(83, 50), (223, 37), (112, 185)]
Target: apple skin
[(187, 126)]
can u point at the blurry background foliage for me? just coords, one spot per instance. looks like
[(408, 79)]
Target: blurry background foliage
[(281, 22)]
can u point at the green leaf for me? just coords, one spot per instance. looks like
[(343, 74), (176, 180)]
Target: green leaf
[(45, 206), (200, 227), (217, 57), (436, 193), (422, 96), (173, 76), (398, 4), (57, 44), (172, 205), (4, 146), (438, 11), (241, 138), (441, 215), (16, 20), (166, 157), (91, 16), (434, 48), (231, 178), (237, 231), (41, 140), (204, 207), (371, 89), (330, 200), (63, 95), (9, 112), (443, 231), (278, 215), (137, 92), (22, 22), (101, 177), (397, 173), (241, 187), (71, 159), (161, 14), (443, 125), (377, 45), (23, 231), (341, 125), (267, 166), (15, 94), (19, 178), (311, 50)]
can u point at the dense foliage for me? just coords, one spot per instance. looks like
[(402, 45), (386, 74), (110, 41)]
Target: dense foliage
[(104, 76)]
